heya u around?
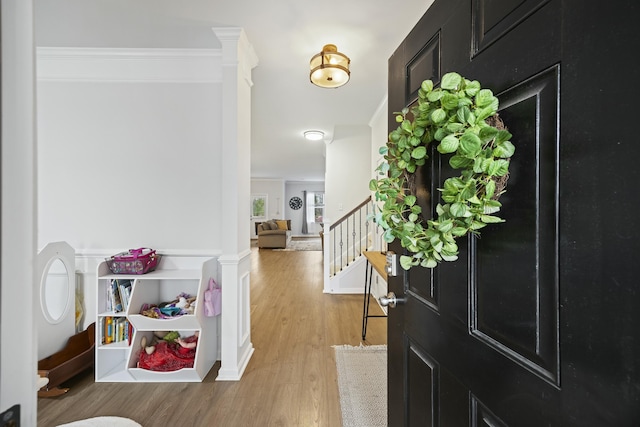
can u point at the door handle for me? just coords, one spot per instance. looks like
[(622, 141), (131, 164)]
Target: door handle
[(390, 300)]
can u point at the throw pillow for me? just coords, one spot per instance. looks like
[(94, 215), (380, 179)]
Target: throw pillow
[(282, 224)]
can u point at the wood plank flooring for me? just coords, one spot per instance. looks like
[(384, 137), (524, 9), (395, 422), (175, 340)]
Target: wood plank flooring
[(290, 380)]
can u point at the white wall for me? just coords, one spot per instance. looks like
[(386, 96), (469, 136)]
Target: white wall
[(17, 338), (129, 157), (379, 135), (348, 161), (274, 190), (124, 164), (295, 189)]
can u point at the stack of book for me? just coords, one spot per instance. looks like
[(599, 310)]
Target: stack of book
[(115, 329), (118, 295)]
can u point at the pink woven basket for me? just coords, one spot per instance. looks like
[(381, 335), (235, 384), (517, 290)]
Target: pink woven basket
[(134, 261)]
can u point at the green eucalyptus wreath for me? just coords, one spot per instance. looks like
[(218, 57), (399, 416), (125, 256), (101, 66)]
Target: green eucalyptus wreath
[(463, 118)]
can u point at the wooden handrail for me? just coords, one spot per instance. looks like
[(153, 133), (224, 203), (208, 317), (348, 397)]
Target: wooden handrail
[(351, 212)]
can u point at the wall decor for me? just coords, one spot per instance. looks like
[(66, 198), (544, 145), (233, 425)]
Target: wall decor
[(461, 118), (295, 203)]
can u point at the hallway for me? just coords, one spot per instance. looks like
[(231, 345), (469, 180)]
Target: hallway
[(290, 380)]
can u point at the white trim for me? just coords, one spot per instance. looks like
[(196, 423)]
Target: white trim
[(103, 253), (129, 65), (244, 57), (348, 281), (233, 259), (226, 374), (380, 110)]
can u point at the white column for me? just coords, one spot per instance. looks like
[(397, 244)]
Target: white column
[(18, 360), (238, 59)]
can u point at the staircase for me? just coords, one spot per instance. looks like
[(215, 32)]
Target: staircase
[(344, 242)]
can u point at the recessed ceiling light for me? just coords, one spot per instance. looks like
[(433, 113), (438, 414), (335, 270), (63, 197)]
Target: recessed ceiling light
[(314, 135)]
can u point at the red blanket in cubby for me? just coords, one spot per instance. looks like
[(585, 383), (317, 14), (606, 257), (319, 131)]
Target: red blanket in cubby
[(168, 356)]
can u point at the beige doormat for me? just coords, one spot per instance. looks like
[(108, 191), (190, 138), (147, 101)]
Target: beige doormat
[(362, 383)]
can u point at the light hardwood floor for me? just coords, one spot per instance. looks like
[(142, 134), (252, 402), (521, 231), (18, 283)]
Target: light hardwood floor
[(290, 380)]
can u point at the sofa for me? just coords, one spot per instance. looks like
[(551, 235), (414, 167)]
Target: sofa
[(274, 234)]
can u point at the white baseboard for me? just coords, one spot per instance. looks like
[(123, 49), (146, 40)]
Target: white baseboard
[(235, 373)]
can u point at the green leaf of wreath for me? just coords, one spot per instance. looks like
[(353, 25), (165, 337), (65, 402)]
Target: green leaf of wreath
[(472, 88), (459, 231), (487, 133), (490, 219), (498, 168), (484, 98), (449, 144), (429, 263), (405, 262), (463, 114), (449, 257), (485, 112), (455, 127), (419, 152), (504, 149), (449, 101), (490, 189), (470, 144), (438, 115), (460, 162), (459, 210), (427, 86), (410, 200), (450, 81), (435, 95), (502, 136)]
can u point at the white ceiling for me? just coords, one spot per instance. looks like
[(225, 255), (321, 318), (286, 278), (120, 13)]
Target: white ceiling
[(285, 35)]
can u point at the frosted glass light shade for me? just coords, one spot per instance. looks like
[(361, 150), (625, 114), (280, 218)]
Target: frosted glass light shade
[(329, 68), (314, 135)]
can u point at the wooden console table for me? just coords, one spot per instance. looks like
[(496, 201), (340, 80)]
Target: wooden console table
[(377, 260)]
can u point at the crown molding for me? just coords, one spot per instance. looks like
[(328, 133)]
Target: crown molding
[(129, 65)]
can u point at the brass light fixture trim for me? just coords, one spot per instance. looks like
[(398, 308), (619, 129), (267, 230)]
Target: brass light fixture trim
[(329, 68)]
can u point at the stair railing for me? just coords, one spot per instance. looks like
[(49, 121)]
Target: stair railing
[(349, 237)]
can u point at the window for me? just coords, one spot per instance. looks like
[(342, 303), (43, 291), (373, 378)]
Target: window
[(315, 207)]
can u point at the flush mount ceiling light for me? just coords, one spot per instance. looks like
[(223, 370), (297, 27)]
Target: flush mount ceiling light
[(329, 68), (314, 135)]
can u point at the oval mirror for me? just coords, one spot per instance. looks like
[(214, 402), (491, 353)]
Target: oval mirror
[(54, 294)]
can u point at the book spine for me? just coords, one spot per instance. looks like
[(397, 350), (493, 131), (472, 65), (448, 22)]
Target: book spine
[(101, 329), (108, 330)]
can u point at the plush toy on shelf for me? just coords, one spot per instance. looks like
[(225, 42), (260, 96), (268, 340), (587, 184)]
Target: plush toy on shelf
[(181, 305)]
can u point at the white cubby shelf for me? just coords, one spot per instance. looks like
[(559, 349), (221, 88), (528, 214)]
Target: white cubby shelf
[(117, 361)]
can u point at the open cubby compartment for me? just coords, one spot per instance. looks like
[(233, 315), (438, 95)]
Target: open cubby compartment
[(154, 291), (104, 284), (195, 374), (110, 363)]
